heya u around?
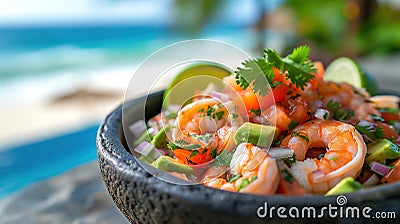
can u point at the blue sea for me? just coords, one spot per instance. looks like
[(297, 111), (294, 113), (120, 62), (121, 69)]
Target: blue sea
[(35, 63)]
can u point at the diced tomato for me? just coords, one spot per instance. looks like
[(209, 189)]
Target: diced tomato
[(275, 96), (390, 116), (318, 76), (231, 81), (388, 130), (249, 99), (394, 174), (184, 156)]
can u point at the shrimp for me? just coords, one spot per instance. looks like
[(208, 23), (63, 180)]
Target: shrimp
[(257, 171), (358, 100), (205, 122), (344, 157)]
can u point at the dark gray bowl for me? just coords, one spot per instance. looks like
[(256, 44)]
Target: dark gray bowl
[(143, 198)]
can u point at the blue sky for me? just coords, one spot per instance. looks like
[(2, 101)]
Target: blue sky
[(34, 12)]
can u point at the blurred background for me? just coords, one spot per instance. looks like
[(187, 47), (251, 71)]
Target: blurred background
[(65, 64)]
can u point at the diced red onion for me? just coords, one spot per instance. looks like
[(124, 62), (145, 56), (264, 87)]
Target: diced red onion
[(137, 128), (367, 138), (379, 168), (321, 114), (221, 96), (144, 148), (280, 152), (317, 174), (372, 181)]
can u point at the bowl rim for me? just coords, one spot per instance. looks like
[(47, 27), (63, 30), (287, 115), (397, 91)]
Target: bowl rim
[(111, 131)]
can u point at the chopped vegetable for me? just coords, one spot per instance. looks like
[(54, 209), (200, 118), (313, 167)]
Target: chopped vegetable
[(379, 168), (394, 174)]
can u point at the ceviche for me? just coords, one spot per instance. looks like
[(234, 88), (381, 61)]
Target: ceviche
[(279, 126)]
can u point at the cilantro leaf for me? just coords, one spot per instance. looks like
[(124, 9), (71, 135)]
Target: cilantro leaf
[(287, 176), (297, 67), (256, 72), (245, 182), (338, 113), (373, 133)]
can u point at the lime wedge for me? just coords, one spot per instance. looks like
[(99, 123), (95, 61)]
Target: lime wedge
[(195, 77), (347, 70)]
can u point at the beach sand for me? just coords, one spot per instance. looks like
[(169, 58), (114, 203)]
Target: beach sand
[(77, 196)]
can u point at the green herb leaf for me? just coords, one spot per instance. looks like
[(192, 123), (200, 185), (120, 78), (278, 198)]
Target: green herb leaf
[(297, 67), (257, 72), (290, 160), (255, 112), (201, 110), (370, 132), (338, 113), (293, 124), (234, 178), (287, 176), (219, 114), (214, 153), (194, 152), (297, 134)]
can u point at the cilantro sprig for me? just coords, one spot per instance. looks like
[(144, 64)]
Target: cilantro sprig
[(297, 67)]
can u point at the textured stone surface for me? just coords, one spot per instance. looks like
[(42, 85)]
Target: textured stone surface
[(143, 198)]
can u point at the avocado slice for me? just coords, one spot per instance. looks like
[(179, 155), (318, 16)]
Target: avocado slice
[(257, 134), (167, 164), (381, 150), (347, 185), (160, 139)]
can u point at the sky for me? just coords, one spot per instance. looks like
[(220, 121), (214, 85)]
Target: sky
[(48, 12)]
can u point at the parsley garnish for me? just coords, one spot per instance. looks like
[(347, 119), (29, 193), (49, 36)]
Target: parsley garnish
[(339, 114), (234, 178), (246, 182), (256, 112), (296, 66), (293, 124), (290, 160), (287, 176), (370, 131)]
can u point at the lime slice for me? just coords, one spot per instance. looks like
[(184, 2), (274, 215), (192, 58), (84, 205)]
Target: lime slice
[(347, 70), (195, 77)]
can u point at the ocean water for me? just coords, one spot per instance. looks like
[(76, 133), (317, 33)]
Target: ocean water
[(40, 62), (66, 57)]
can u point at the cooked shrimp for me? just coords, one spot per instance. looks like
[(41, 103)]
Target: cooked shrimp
[(206, 117), (350, 97), (386, 101), (344, 156), (255, 167)]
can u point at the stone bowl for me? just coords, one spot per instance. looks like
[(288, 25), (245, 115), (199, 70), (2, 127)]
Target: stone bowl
[(143, 198)]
